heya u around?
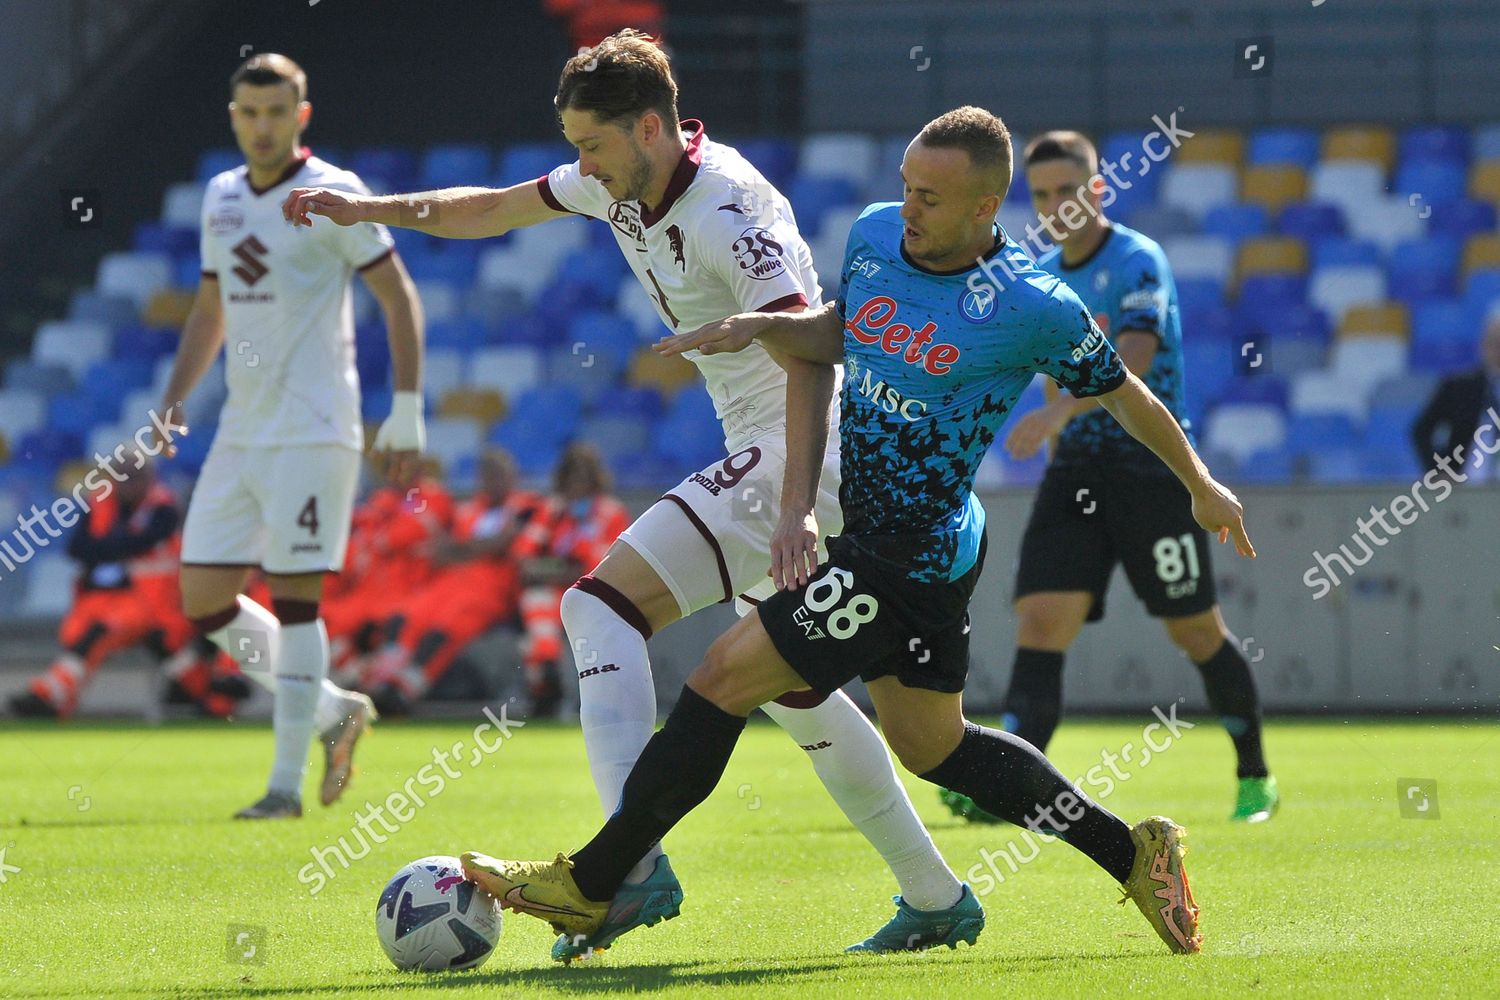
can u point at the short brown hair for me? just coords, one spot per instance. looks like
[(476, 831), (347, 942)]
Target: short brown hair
[(619, 80), (977, 132), (583, 458), (267, 69), (1064, 145)]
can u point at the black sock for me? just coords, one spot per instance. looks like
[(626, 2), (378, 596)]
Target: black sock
[(680, 765), (1231, 694), (1010, 778), (1033, 703)]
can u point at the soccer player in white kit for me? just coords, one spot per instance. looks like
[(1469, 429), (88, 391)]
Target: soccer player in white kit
[(707, 237), (277, 488)]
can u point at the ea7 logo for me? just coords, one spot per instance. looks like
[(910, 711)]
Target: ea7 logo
[(249, 252), (1090, 345), (591, 671)]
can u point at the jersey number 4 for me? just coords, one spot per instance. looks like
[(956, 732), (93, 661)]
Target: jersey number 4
[(309, 517), (824, 594)]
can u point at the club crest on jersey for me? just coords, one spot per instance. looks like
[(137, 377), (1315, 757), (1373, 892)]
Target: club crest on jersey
[(977, 304), (874, 324), (1090, 345), (1101, 279), (674, 242), (625, 217), (758, 254)]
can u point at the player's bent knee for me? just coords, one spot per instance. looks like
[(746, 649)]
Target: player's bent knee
[(742, 670), (1198, 636)]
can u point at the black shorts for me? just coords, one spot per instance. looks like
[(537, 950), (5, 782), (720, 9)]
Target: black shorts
[(863, 616), (1083, 523)]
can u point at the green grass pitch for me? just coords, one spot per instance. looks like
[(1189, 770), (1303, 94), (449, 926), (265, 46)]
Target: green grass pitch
[(124, 877)]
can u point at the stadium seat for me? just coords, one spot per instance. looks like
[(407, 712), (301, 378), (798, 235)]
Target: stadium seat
[(89, 306), (440, 300), (1388, 319), (1236, 223), (1271, 255), (1198, 187), (374, 404), (775, 158), (1266, 293), (616, 434), (1360, 142), (455, 165), (634, 305), (1422, 270), (1337, 289), (1312, 221), (45, 448), (1361, 362), (1485, 144), (601, 333), (664, 374), (1395, 465), (687, 444), (552, 412), (1481, 253), (182, 205), (1296, 147), (168, 307), (526, 161), (449, 438), (813, 197), (212, 162), (590, 373), (1267, 466), (1308, 431), (1484, 181), (483, 406), (1323, 393), (158, 237), (1482, 291), (849, 155), (491, 307), (385, 169), (1336, 465), (1389, 426), (1161, 222), (442, 369), (110, 378), (136, 406), (1434, 142), (1223, 146), (692, 407), (885, 182), (73, 346), (1340, 251), (1431, 182), (455, 262), (636, 401), (49, 586), (1242, 429), (1273, 187), (457, 333), (1209, 258), (1198, 295), (1257, 388), (21, 411), (1444, 336), (511, 370), (1462, 218), (1387, 222), (135, 276), (1350, 184)]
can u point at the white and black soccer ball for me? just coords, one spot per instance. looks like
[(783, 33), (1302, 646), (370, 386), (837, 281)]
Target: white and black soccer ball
[(431, 917)]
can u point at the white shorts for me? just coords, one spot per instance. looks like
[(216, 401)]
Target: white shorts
[(285, 510), (733, 506)]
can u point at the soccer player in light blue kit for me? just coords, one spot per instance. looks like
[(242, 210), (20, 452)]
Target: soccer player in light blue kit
[(940, 323)]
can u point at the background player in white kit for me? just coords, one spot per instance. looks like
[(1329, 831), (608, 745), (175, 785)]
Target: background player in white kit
[(277, 487), (707, 236)]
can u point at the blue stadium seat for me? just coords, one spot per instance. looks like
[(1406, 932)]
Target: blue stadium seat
[(688, 444), (1445, 336), (1159, 222), (1269, 390), (390, 166), (1284, 146), (1422, 270), (526, 161), (813, 197), (1389, 426), (462, 333), (1197, 295), (527, 328), (692, 406), (1311, 220), (1462, 218), (1486, 145), (455, 262), (160, 237), (776, 159), (615, 435), (1482, 292), (43, 377), (1345, 252), (1214, 324), (1237, 222), (455, 164), (590, 371), (642, 470), (112, 379), (1309, 433), (144, 343), (602, 332), (1286, 289), (1266, 466), (45, 448), (374, 401), (1143, 187), (1434, 142), (213, 162), (1395, 465), (1436, 182), (187, 271), (535, 451), (89, 306), (637, 401), (1336, 465), (554, 410), (193, 449)]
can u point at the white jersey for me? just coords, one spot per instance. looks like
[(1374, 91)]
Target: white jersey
[(722, 241), (288, 311)]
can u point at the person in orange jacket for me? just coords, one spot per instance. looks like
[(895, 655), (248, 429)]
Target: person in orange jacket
[(126, 544), (583, 521), (475, 585)]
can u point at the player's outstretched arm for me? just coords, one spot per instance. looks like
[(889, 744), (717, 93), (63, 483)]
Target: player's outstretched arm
[(1144, 417), (397, 453), (794, 542), (1030, 432), (202, 336), (463, 213), (816, 335)]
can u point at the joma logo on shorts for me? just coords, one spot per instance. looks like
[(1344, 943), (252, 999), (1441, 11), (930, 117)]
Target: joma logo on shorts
[(820, 745), (706, 483), (591, 671)]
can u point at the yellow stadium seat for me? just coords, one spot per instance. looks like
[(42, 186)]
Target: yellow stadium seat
[(4, 449), (1384, 320), (1224, 146), (168, 307), (1481, 253), (1484, 181), (74, 471), (1273, 186), (1272, 255), (1361, 142), (665, 374), (483, 405)]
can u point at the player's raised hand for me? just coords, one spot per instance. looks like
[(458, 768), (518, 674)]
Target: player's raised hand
[(794, 551), (342, 207), (724, 337), (1218, 510)]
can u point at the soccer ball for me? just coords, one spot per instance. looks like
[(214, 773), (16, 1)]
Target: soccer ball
[(430, 917)]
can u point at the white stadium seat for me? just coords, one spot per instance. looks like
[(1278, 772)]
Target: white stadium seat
[(134, 275), (1210, 257), (1198, 187), (1242, 429), (182, 205), (840, 154), (1335, 290), (21, 411), (512, 370), (1324, 392), (74, 345), (1362, 362)]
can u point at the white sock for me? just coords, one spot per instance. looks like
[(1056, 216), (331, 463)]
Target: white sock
[(616, 705), (254, 644), (858, 772), (300, 671)]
